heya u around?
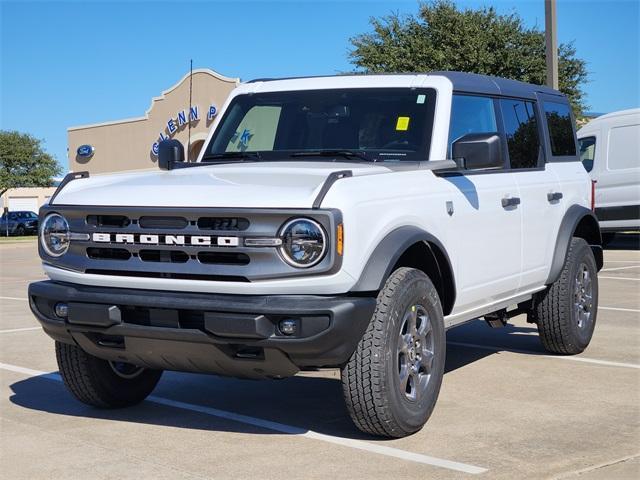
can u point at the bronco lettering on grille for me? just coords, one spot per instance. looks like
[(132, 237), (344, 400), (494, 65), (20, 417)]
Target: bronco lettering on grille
[(152, 239)]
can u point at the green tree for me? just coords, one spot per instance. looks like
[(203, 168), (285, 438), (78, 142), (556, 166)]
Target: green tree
[(442, 37), (24, 163)]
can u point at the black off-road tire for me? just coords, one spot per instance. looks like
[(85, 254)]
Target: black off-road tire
[(95, 382), (371, 380), (555, 312)]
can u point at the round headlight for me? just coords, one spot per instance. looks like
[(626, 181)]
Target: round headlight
[(54, 235), (304, 242)]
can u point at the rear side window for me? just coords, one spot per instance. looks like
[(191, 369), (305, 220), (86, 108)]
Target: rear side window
[(471, 115), (560, 129), (587, 152), (624, 147), (521, 130)]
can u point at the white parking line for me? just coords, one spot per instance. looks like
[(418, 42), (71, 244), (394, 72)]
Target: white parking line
[(282, 428), (21, 299), (12, 330), (618, 309), (620, 278), (555, 357), (619, 268)]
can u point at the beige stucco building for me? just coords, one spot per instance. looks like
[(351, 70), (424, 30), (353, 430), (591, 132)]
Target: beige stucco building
[(129, 144), (27, 198)]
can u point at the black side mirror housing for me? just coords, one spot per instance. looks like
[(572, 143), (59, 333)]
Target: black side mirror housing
[(170, 152), (475, 151)]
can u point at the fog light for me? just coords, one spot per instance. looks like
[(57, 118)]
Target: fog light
[(62, 310), (288, 326)]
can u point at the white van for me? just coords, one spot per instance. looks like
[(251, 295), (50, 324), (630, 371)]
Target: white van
[(610, 152)]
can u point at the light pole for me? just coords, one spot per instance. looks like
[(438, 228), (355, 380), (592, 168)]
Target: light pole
[(551, 42)]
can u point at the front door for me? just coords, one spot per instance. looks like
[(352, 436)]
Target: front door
[(486, 217)]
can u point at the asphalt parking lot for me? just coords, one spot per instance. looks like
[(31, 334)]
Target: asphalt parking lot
[(506, 409)]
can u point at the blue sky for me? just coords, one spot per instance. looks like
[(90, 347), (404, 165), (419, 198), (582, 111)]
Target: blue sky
[(79, 62)]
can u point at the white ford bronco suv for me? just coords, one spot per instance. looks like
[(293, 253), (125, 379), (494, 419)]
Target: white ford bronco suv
[(340, 221)]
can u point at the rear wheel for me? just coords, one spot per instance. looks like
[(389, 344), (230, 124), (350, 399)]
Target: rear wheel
[(392, 380), (566, 312), (102, 383)]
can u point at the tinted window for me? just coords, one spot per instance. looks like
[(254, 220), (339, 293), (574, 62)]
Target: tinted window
[(471, 115), (560, 129), (624, 147), (587, 152), (521, 130)]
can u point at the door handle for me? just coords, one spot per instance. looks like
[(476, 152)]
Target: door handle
[(554, 196), (510, 202)]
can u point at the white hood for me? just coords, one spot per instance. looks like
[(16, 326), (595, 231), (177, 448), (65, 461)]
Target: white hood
[(246, 185)]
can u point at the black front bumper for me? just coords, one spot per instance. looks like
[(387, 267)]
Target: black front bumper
[(234, 335)]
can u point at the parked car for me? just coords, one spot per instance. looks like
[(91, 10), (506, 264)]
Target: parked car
[(330, 222), (610, 152), (19, 223)]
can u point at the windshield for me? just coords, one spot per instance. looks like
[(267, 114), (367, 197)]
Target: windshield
[(352, 124)]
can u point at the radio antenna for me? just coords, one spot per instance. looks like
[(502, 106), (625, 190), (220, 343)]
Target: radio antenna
[(190, 101)]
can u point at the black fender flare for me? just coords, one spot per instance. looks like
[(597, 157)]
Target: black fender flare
[(573, 216), (387, 253)]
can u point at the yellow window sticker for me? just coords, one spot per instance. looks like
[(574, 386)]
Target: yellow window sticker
[(402, 124)]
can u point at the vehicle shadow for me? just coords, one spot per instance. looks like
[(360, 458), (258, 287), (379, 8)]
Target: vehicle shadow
[(624, 241), (310, 401)]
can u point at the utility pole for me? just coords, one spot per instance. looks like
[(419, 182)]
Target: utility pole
[(551, 42)]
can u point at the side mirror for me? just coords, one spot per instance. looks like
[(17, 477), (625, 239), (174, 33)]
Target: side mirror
[(169, 152), (478, 150)]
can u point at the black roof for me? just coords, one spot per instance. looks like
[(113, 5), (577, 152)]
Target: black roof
[(467, 82), (472, 82)]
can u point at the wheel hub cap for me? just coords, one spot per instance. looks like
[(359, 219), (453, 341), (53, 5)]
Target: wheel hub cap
[(415, 353), (583, 297)]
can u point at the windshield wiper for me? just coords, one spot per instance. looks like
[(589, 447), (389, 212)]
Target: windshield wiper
[(235, 155), (349, 154)]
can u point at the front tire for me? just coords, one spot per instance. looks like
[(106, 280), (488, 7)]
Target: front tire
[(101, 383), (566, 311), (392, 380)]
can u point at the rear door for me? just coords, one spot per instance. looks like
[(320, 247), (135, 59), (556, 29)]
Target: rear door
[(487, 235), (540, 192)]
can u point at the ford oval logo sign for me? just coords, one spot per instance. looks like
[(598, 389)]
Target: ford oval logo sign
[(85, 151)]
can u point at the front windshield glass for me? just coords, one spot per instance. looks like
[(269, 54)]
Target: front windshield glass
[(346, 124)]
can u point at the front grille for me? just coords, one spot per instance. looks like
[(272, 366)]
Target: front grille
[(110, 221), (223, 223), (183, 243), (171, 256), (163, 222), (177, 276), (224, 258), (108, 253)]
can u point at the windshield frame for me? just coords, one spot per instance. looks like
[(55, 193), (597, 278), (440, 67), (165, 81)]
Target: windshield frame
[(368, 154)]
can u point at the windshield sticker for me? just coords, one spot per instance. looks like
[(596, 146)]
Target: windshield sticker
[(421, 98), (402, 124)]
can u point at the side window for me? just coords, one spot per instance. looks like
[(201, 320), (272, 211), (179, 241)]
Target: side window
[(471, 115), (587, 152), (560, 129), (521, 130), (624, 145), (257, 130)]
